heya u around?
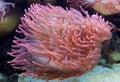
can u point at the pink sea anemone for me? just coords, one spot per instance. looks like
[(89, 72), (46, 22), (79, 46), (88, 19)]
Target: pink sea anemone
[(4, 8), (58, 43)]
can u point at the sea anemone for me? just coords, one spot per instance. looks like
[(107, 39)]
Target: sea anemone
[(4, 8), (58, 43), (105, 7)]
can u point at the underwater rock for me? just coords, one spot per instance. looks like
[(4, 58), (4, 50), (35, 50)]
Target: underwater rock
[(33, 1), (41, 1), (32, 79), (3, 78), (102, 74), (98, 74), (115, 57)]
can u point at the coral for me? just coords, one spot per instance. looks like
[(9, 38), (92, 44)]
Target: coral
[(4, 8), (9, 23), (58, 43), (105, 7)]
